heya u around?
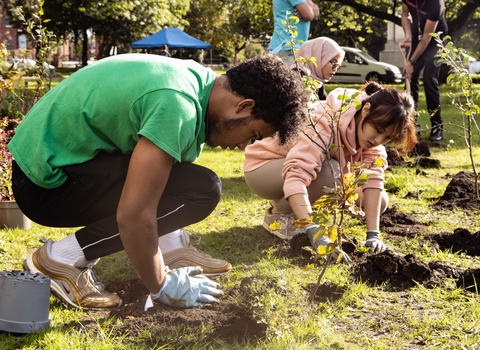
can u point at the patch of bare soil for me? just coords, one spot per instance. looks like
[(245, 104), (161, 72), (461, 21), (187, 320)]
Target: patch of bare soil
[(470, 280), (461, 240), (421, 150), (398, 224), (460, 192), (231, 323), (401, 272)]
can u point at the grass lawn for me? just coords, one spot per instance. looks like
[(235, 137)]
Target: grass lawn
[(361, 317)]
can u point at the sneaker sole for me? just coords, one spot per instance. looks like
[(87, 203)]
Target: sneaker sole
[(184, 257), (56, 290)]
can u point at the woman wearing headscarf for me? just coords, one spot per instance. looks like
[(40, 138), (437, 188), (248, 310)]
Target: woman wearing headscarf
[(329, 57)]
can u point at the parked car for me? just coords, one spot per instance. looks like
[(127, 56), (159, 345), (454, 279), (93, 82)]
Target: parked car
[(359, 67), (29, 65)]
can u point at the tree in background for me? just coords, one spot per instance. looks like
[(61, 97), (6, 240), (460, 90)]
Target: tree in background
[(344, 15), (230, 25), (115, 23), (205, 21), (349, 27)]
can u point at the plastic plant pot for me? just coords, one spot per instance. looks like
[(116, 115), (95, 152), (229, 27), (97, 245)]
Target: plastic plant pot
[(24, 302)]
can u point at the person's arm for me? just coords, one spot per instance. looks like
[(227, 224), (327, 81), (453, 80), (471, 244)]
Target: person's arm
[(372, 198), (430, 27), (147, 177), (307, 10), (300, 205), (407, 27)]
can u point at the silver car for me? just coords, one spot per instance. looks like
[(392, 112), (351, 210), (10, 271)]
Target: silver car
[(359, 67)]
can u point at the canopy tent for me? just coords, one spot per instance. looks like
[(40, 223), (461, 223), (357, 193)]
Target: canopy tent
[(174, 38)]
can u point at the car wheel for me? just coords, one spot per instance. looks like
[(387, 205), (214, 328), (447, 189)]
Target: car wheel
[(372, 77)]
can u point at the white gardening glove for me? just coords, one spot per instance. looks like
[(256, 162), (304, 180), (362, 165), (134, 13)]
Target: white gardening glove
[(374, 242), (186, 287), (324, 241)]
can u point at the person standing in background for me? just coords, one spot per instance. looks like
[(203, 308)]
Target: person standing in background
[(306, 10), (164, 51), (428, 16)]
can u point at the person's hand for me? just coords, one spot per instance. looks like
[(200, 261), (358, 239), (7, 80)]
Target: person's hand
[(408, 69), (186, 287), (374, 242), (406, 43), (324, 241)]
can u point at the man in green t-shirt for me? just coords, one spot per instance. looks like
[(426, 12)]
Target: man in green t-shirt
[(111, 149)]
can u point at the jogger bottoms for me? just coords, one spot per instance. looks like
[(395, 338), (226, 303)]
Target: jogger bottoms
[(91, 194), (267, 182)]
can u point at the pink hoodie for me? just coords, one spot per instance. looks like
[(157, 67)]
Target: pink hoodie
[(305, 158)]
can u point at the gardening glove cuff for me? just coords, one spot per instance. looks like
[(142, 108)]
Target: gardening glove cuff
[(187, 287), (374, 242), (337, 255)]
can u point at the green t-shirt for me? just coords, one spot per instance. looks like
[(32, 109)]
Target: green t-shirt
[(107, 106)]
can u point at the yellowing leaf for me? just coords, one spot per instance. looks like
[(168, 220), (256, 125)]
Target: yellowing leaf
[(348, 179), (293, 20), (333, 232), (308, 267), (302, 223), (379, 162), (275, 226), (322, 250)]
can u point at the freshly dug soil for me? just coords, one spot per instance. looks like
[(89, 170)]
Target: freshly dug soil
[(460, 192)]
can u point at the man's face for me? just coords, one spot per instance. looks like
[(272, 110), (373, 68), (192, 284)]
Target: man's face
[(231, 133)]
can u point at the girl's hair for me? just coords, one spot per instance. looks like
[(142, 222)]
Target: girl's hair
[(392, 107)]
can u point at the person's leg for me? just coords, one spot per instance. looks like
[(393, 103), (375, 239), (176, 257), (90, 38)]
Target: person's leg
[(383, 203), (325, 178), (267, 182), (91, 194), (415, 81), (183, 203), (90, 197), (432, 92)]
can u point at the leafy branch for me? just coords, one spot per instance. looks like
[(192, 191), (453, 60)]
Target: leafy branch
[(466, 100)]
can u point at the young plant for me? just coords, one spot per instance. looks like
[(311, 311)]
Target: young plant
[(329, 211), (466, 101)]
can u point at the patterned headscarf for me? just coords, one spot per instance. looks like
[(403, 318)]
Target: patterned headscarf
[(323, 49)]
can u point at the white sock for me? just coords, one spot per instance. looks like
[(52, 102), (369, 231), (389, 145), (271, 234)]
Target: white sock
[(170, 241), (68, 251)]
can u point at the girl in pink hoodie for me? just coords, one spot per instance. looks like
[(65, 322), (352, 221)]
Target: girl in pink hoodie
[(292, 177)]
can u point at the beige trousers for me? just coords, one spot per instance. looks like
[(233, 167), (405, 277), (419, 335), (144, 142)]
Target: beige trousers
[(267, 182)]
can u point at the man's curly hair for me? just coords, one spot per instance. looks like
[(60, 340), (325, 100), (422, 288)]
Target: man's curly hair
[(279, 94)]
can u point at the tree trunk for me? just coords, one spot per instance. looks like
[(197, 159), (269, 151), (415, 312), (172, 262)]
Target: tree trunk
[(84, 48)]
